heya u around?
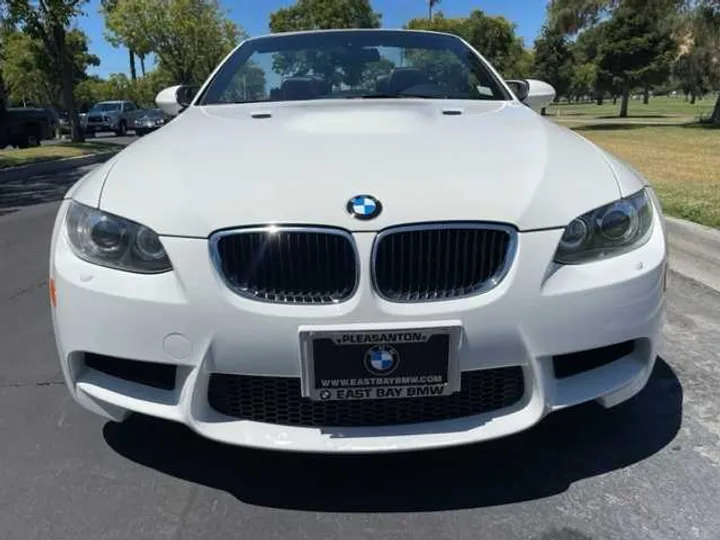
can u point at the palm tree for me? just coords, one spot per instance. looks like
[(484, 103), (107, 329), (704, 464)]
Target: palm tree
[(109, 5), (431, 5)]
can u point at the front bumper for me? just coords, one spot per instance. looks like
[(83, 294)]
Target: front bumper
[(100, 126), (189, 318)]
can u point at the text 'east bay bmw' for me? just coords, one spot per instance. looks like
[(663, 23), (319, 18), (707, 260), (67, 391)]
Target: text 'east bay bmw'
[(357, 241)]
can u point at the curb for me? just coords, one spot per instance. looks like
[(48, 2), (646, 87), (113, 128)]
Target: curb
[(694, 251), (53, 165)]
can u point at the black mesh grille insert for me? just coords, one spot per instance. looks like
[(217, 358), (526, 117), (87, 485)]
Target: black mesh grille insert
[(424, 264), (289, 266), (277, 400), (148, 373)]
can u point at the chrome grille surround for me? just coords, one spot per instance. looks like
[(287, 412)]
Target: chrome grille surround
[(333, 268), (451, 291)]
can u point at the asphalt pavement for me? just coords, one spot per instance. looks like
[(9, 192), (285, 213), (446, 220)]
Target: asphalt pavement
[(648, 469), (102, 137)]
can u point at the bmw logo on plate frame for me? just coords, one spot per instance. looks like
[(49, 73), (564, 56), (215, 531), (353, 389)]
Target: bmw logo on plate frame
[(381, 360), (364, 207)]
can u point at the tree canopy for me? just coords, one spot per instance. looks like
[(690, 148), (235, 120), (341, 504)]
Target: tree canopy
[(324, 14), (48, 22), (32, 76), (553, 60), (636, 51), (493, 37), (189, 37)]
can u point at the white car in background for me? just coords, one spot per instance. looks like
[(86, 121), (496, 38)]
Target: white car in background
[(357, 241)]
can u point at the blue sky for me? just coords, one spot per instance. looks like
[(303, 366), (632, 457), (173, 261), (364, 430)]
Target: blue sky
[(253, 16)]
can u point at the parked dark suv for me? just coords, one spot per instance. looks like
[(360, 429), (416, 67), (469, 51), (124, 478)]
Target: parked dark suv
[(26, 127)]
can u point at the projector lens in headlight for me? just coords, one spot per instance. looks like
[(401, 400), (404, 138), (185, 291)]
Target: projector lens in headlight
[(109, 240)]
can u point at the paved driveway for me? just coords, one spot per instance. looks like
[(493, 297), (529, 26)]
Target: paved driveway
[(648, 469)]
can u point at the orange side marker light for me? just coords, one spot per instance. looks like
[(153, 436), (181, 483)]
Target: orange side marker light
[(53, 292)]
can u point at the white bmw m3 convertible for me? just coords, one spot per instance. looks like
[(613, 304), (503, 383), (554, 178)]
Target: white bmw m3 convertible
[(357, 241)]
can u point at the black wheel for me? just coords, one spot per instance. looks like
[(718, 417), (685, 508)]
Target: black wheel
[(122, 129), (31, 139)]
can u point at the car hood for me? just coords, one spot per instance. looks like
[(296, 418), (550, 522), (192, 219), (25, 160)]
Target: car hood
[(225, 166)]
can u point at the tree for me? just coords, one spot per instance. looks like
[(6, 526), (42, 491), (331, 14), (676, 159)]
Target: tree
[(693, 67), (33, 76), (431, 4), (583, 80), (48, 21), (142, 90), (323, 15), (320, 15), (703, 26), (106, 7), (553, 60), (189, 37), (636, 52), (571, 16), (493, 37), (637, 46), (586, 50), (3, 89)]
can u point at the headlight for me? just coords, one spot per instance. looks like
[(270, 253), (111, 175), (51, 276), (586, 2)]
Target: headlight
[(607, 231), (109, 240)]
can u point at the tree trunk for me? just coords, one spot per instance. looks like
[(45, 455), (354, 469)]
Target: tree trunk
[(692, 98), (3, 95), (715, 117), (66, 72), (142, 64), (646, 96), (614, 100), (624, 103), (133, 73)]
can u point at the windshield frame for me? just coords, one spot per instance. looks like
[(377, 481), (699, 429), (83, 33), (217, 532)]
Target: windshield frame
[(218, 81)]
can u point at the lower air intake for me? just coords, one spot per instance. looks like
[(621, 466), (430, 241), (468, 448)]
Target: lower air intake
[(153, 374), (278, 400)]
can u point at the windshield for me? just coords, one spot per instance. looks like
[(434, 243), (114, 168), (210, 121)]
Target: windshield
[(105, 107), (352, 64)]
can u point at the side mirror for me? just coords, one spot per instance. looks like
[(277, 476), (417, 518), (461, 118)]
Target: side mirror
[(520, 88), (175, 99), (534, 93)]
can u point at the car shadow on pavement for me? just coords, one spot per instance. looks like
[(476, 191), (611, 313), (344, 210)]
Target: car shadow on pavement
[(568, 446), (37, 189)]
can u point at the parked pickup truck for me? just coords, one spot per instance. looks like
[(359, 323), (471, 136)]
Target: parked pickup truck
[(26, 127), (116, 116)]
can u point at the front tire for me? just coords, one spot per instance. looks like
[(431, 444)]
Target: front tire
[(122, 129), (31, 139)]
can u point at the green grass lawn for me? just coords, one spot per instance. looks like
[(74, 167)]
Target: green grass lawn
[(681, 162), (15, 157), (660, 108)]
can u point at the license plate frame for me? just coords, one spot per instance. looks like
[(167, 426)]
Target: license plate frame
[(367, 336)]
